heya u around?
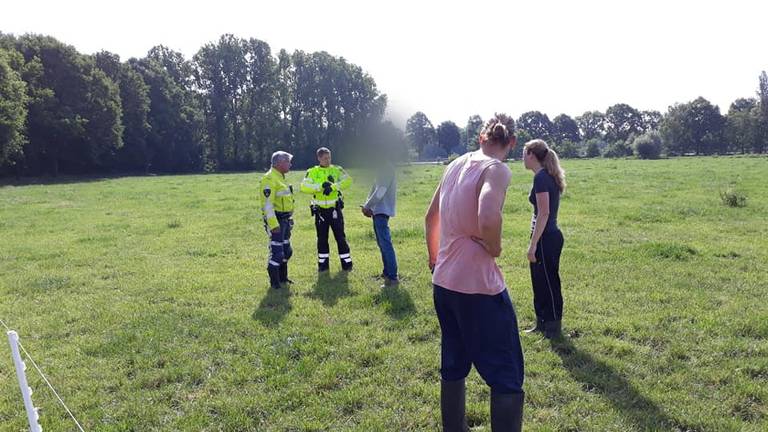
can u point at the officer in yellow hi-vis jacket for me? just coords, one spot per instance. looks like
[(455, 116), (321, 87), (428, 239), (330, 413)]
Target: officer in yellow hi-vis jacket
[(277, 209), (326, 182)]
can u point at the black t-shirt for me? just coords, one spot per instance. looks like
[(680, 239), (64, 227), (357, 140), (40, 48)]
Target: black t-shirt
[(544, 182)]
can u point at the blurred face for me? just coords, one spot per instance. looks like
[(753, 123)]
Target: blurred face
[(283, 166), (324, 159), (529, 159)]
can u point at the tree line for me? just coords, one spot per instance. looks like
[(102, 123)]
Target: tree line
[(235, 102), (696, 127), (227, 108)]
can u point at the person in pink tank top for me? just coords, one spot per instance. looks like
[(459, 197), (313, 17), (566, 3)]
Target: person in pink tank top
[(478, 324)]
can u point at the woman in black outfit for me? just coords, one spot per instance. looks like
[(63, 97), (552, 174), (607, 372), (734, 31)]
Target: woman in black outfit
[(546, 238)]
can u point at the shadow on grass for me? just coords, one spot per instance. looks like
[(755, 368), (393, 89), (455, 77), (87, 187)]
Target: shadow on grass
[(397, 302), (330, 288), (273, 307), (597, 376)]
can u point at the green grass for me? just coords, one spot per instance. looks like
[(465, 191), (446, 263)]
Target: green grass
[(146, 302)]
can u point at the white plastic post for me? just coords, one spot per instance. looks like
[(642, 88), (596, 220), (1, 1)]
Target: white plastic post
[(26, 391)]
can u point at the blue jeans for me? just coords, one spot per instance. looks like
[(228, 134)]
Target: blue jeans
[(383, 238)]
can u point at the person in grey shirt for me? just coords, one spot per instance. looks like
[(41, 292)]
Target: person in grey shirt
[(380, 206)]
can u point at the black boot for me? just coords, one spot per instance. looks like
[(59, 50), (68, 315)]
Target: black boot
[(507, 412), (453, 406), (274, 276), (539, 327), (552, 329), (284, 274)]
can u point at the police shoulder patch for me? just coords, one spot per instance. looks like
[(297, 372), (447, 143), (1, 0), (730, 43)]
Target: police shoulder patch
[(267, 192)]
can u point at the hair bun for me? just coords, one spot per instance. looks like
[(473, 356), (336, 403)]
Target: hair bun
[(500, 132)]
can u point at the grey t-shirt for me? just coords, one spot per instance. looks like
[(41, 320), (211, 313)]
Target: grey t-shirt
[(381, 199)]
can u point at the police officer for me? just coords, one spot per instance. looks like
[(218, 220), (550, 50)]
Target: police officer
[(326, 182), (277, 208)]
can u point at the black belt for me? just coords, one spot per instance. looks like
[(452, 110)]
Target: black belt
[(283, 215)]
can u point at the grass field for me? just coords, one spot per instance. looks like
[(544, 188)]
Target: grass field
[(146, 303)]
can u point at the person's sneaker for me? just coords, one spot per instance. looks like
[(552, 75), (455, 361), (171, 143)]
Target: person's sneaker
[(538, 328), (390, 282)]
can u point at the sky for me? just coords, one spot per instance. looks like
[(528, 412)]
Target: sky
[(452, 59)]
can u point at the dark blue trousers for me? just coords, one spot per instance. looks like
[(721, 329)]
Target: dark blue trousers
[(480, 330), (545, 277), (280, 250)]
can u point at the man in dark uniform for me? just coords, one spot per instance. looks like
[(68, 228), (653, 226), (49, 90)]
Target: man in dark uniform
[(326, 182)]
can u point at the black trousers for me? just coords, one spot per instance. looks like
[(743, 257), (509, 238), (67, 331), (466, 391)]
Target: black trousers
[(545, 277), (332, 219)]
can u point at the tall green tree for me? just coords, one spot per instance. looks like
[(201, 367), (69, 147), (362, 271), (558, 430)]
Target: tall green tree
[(134, 97), (762, 142), (742, 125), (537, 125), (622, 121), (176, 138), (694, 127), (651, 120), (472, 132), (74, 118), (591, 125), (449, 137), (222, 74), (325, 101), (262, 108), (565, 128), (420, 132), (13, 110)]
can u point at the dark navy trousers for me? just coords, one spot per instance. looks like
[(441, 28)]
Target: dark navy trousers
[(545, 277), (280, 250), (480, 330)]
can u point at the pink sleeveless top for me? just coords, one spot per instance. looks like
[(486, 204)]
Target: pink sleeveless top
[(463, 265)]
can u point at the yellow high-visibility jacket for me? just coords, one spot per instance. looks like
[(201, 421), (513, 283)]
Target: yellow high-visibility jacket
[(276, 196), (317, 175)]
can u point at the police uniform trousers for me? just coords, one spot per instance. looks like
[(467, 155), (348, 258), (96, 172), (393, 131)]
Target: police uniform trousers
[(280, 250), (333, 219)]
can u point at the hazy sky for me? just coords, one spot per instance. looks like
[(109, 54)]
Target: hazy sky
[(454, 59)]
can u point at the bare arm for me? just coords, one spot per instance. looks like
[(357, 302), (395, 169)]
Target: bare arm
[(432, 228), (542, 216), (493, 191)]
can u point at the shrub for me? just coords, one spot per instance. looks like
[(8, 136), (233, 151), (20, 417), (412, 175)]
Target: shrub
[(647, 146), (618, 149), (733, 198), (567, 149), (595, 147)]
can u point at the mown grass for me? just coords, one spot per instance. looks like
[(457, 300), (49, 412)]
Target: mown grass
[(145, 301)]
